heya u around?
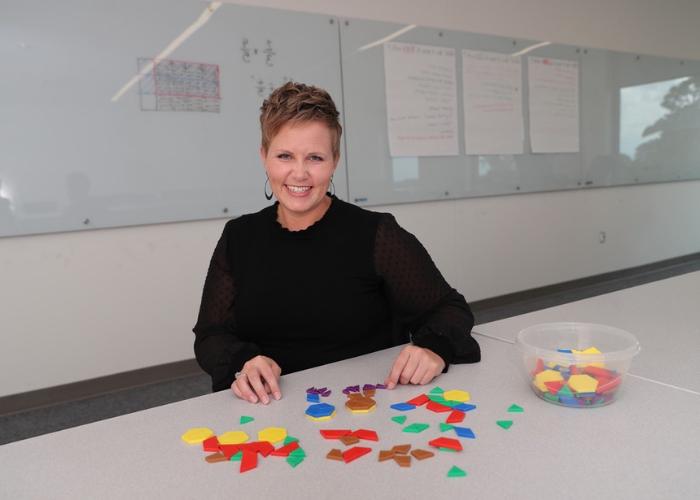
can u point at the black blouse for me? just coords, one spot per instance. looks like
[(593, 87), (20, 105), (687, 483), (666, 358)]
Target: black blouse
[(352, 283)]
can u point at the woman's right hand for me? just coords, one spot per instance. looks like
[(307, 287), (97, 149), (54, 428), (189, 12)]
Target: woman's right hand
[(258, 378)]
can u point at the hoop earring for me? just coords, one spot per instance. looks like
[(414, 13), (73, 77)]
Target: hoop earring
[(268, 197), (331, 187)]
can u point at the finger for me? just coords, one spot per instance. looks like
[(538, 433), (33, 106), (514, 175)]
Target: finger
[(409, 369), (270, 378), (428, 377), (246, 391), (396, 369), (257, 384), (236, 390), (420, 372)]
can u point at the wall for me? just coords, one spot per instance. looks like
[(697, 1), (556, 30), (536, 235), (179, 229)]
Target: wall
[(81, 305)]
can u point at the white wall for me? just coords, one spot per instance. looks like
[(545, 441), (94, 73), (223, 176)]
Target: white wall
[(81, 305)]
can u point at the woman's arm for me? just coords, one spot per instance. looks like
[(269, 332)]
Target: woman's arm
[(218, 351), (436, 316)]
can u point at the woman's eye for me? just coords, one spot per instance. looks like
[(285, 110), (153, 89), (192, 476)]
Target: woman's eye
[(284, 156), (316, 158)]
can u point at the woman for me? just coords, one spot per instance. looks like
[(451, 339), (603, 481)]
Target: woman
[(311, 279)]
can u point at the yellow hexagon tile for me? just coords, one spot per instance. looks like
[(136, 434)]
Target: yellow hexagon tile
[(546, 376), (272, 434), (583, 383), (456, 395), (233, 437), (197, 434)]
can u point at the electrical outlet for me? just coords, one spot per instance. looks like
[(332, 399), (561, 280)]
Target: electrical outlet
[(602, 236)]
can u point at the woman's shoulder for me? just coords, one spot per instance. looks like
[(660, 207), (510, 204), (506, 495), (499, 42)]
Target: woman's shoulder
[(360, 214), (249, 222)]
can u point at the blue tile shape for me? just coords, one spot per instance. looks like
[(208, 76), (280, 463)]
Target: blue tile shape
[(320, 410), (464, 407), (313, 398), (465, 432), (403, 406)]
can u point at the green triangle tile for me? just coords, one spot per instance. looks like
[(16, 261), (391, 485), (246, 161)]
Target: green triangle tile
[(290, 439), (416, 428), (437, 390), (505, 424), (294, 461), (237, 457), (446, 427), (515, 409), (565, 391), (456, 472), (401, 419), (451, 450), (551, 397), (245, 419), (298, 453)]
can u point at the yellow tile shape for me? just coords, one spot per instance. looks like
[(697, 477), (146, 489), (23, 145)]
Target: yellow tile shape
[(546, 376), (321, 419), (364, 411), (197, 434), (272, 434), (583, 383), (456, 395), (590, 350), (233, 437)]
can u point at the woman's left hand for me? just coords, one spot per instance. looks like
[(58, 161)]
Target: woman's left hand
[(415, 365)]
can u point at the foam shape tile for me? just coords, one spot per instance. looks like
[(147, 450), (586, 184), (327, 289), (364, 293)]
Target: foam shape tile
[(399, 419), (504, 424), (355, 453), (272, 434), (402, 407), (449, 443), (465, 432), (515, 409), (583, 383), (419, 454), (196, 435), (416, 428), (457, 395), (546, 376), (320, 410), (335, 454), (245, 419), (211, 444), (455, 417), (233, 437), (456, 472)]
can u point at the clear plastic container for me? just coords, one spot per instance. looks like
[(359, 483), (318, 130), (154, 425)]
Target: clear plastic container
[(561, 365)]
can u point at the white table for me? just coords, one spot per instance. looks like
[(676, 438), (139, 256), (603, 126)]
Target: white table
[(645, 445), (664, 316)]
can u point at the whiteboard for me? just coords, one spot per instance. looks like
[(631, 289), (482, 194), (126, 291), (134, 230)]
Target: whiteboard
[(180, 144), (377, 178)]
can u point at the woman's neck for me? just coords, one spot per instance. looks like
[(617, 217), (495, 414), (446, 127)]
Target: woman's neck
[(298, 222)]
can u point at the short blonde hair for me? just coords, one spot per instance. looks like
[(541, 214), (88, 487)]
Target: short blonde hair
[(298, 103)]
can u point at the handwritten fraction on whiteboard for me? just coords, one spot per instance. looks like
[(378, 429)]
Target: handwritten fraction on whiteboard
[(180, 86)]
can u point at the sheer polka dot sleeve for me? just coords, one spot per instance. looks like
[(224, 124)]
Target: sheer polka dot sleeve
[(435, 315), (217, 349)]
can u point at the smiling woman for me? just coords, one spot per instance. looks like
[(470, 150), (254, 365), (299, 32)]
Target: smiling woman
[(312, 280)]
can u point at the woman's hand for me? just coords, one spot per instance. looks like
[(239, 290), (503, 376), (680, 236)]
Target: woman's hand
[(415, 365), (258, 378)]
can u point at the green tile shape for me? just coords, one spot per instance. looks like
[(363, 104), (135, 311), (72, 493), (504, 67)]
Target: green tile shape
[(400, 419), (298, 453), (446, 427), (565, 391), (451, 450), (290, 439), (515, 409), (245, 419), (294, 461), (456, 472), (504, 424), (437, 390), (416, 428), (437, 398), (237, 457)]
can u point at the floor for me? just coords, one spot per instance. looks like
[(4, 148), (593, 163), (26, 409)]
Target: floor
[(62, 416)]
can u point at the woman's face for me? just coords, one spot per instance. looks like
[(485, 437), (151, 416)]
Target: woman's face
[(300, 162)]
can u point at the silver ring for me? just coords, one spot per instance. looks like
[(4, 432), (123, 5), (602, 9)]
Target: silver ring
[(239, 374)]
